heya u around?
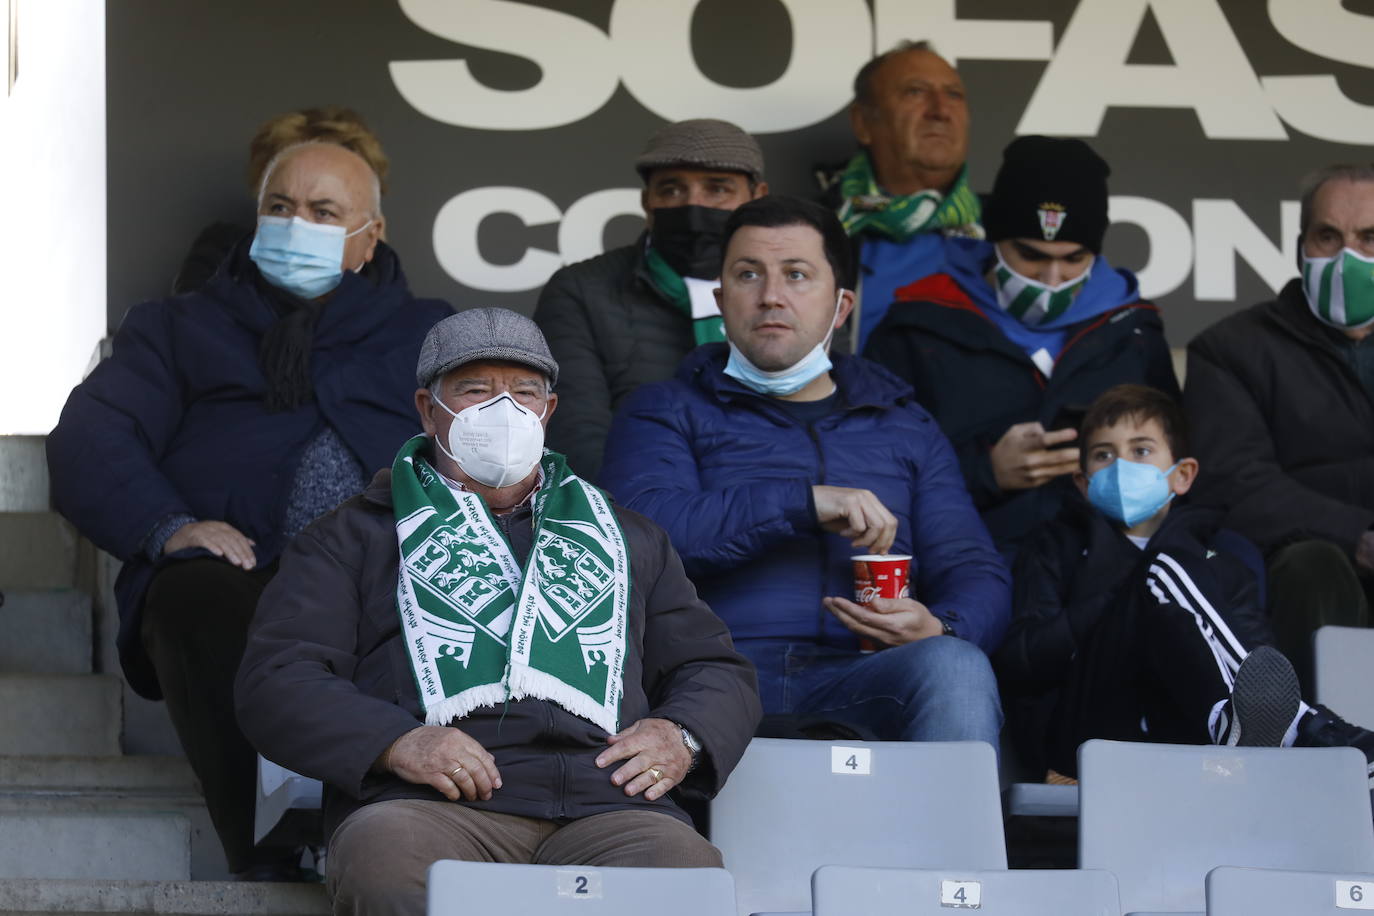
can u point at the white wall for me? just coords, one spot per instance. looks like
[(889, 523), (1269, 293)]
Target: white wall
[(52, 209)]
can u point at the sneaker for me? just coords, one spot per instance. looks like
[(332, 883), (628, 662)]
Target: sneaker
[(1265, 700), (1323, 728)]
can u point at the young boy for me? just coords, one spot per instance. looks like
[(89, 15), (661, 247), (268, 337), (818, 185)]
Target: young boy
[(1136, 619)]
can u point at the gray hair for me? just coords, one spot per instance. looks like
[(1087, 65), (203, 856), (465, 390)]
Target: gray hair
[(376, 182), (863, 80), (1313, 183)]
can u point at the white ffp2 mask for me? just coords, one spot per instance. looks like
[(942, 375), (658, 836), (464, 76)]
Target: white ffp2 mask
[(497, 442)]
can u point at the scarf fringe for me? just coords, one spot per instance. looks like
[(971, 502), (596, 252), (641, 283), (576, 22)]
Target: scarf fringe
[(460, 704), (526, 682)]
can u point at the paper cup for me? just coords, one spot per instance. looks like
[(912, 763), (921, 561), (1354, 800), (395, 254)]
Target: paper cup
[(879, 576)]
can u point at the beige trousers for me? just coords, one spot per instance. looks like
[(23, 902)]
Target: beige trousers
[(379, 855)]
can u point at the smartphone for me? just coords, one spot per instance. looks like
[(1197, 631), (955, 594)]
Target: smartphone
[(1069, 417)]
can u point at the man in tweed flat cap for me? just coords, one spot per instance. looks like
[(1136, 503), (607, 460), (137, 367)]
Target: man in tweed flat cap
[(629, 316), (483, 658)]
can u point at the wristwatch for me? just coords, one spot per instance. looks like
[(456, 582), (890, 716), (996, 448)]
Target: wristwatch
[(690, 742)]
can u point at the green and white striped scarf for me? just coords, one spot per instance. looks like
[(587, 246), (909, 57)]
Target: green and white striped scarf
[(1032, 303), (479, 630), (1340, 289), (865, 207)]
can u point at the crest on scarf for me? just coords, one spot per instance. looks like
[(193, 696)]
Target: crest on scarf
[(464, 580), (1052, 217), (574, 580)]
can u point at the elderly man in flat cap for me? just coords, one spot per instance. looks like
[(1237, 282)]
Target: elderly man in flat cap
[(629, 316), (483, 658)]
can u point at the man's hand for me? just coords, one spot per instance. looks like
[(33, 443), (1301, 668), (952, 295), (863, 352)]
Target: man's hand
[(220, 538), (1364, 552), (1025, 456), (857, 515), (890, 621), (446, 758), (649, 743)]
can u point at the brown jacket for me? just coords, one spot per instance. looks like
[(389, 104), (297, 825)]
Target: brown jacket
[(326, 683)]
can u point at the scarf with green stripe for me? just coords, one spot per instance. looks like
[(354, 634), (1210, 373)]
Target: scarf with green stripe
[(865, 208), (479, 630), (707, 325)]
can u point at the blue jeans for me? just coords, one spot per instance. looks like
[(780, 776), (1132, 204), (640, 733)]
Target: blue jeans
[(936, 689)]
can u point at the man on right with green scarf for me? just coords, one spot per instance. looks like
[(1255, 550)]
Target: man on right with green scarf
[(907, 186)]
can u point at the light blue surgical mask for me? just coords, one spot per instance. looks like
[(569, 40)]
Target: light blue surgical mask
[(1130, 491), (794, 378), (299, 256)]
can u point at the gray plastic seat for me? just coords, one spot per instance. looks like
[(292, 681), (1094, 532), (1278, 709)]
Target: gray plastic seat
[(838, 890), (288, 807), (1343, 664), (792, 806), (1161, 816), (1235, 891), (465, 888)]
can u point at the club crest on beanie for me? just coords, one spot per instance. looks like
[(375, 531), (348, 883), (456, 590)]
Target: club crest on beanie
[(1052, 189)]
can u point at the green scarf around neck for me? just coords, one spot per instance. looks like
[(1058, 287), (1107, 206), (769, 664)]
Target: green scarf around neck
[(705, 328), (866, 208), (478, 629)]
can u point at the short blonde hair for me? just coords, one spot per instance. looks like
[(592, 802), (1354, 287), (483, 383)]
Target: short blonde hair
[(329, 124)]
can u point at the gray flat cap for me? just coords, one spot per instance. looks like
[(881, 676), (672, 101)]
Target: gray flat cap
[(705, 143), (483, 334)]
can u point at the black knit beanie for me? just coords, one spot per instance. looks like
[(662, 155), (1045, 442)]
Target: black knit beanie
[(1049, 189)]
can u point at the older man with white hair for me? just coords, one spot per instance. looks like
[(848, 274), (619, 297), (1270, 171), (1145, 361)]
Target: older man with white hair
[(225, 420), (484, 657)]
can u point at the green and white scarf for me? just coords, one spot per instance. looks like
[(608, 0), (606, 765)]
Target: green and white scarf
[(481, 632), (696, 301), (866, 208)]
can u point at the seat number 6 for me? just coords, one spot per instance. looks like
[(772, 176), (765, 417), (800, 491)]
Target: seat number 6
[(1354, 895)]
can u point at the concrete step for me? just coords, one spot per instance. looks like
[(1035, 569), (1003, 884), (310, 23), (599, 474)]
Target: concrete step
[(90, 785), (23, 474), (47, 632), (37, 550), (96, 775), (130, 846), (66, 714), (164, 898)]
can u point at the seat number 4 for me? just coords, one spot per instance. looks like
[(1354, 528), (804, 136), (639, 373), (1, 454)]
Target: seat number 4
[(961, 894)]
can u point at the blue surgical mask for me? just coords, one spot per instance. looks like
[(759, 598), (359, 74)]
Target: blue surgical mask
[(1130, 491), (299, 256), (795, 377)]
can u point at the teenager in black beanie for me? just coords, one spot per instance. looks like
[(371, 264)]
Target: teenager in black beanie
[(1016, 335)]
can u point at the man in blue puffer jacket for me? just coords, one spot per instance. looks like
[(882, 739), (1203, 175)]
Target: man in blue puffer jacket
[(770, 466)]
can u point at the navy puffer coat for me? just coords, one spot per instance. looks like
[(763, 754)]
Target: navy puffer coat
[(173, 422)]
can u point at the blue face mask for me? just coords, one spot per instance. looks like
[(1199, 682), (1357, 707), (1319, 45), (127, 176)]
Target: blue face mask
[(794, 378), (299, 256), (1130, 491)]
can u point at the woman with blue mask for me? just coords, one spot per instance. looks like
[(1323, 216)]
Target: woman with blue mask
[(1016, 334), (226, 420)]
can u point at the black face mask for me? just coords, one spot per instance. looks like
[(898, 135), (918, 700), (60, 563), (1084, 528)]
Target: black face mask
[(689, 239)]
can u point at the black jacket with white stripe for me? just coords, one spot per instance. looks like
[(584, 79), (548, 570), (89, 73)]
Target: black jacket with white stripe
[(1081, 567)]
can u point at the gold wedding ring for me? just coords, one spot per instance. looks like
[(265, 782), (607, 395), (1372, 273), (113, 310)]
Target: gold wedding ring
[(453, 773), (656, 772)]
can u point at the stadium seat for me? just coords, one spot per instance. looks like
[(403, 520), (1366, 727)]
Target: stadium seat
[(288, 807), (838, 890), (1160, 816), (1235, 891), (792, 806), (467, 888), (1343, 664)]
